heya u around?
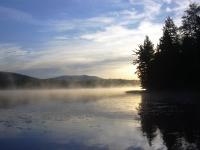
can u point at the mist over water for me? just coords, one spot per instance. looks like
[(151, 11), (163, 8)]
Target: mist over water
[(71, 119), (102, 118)]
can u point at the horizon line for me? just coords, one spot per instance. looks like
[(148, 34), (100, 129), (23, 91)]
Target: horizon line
[(64, 75)]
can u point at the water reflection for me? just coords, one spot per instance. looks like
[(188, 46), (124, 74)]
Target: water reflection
[(98, 119), (175, 116), (70, 119)]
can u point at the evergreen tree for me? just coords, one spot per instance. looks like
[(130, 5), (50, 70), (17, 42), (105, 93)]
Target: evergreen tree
[(169, 42), (191, 45), (191, 21), (145, 55), (167, 62)]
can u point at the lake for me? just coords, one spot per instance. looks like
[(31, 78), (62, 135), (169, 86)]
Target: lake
[(99, 119)]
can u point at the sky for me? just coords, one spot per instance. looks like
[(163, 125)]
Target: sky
[(48, 38)]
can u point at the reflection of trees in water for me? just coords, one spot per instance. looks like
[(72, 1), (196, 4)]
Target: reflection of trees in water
[(178, 122)]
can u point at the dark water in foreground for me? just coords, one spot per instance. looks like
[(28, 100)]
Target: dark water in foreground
[(98, 119)]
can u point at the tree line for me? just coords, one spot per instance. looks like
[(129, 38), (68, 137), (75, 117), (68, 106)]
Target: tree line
[(175, 62)]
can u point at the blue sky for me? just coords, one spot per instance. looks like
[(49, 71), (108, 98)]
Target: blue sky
[(47, 38)]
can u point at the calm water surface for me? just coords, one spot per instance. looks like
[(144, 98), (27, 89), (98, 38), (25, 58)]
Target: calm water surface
[(83, 119)]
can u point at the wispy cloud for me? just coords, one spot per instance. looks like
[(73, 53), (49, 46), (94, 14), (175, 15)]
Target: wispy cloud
[(79, 24), (151, 7), (120, 35), (17, 15)]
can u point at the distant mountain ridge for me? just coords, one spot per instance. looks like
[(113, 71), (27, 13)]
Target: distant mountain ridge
[(76, 77), (14, 80)]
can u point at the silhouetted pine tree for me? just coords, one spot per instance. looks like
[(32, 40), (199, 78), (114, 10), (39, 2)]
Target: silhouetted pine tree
[(167, 62), (145, 55), (190, 30), (191, 21)]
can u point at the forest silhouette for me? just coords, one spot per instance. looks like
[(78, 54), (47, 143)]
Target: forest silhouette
[(175, 62)]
